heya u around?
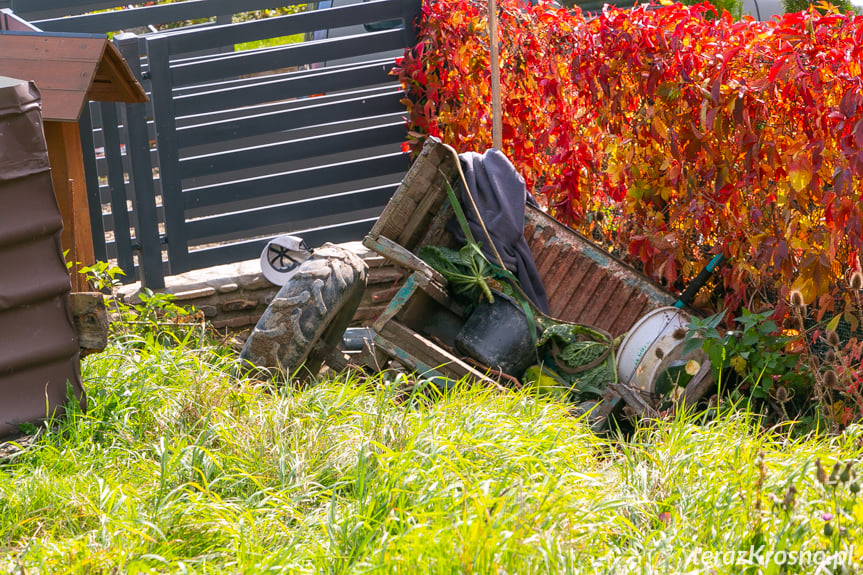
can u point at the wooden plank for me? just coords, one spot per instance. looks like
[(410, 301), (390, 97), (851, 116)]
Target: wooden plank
[(633, 399), (422, 180), (44, 48), (398, 301), (67, 165), (398, 254), (427, 208), (699, 385), (600, 416), (83, 233), (392, 351), (65, 68), (429, 354), (90, 317), (113, 81)]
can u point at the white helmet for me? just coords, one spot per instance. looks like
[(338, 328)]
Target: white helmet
[(282, 257)]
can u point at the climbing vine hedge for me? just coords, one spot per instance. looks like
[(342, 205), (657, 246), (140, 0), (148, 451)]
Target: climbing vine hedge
[(669, 134)]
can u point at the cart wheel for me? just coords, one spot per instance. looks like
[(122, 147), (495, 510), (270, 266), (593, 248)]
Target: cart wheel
[(310, 313)]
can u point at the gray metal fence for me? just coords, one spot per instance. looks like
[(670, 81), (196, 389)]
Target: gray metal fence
[(237, 146)]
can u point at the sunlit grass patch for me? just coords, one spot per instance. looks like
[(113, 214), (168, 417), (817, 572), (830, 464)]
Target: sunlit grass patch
[(179, 465)]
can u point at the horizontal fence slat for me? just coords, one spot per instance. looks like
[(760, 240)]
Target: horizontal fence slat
[(312, 115), (272, 76), (251, 249), (293, 150), (35, 9), (328, 18), (255, 61), (285, 227), (159, 14), (293, 181), (285, 88), (284, 105), (220, 146), (291, 214)]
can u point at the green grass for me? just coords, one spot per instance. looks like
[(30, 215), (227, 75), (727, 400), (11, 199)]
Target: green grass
[(268, 43), (179, 467)]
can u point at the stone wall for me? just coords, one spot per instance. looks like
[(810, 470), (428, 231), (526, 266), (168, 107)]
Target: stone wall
[(234, 296)]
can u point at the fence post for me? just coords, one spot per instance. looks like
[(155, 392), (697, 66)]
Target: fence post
[(117, 185), (91, 177), (411, 12), (147, 232), (168, 153)]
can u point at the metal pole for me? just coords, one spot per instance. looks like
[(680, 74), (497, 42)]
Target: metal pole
[(496, 113)]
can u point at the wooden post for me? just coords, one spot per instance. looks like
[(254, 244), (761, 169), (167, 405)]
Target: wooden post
[(67, 173), (90, 317), (496, 111)]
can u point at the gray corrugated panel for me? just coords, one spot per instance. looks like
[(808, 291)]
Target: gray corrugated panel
[(39, 350), (584, 283)]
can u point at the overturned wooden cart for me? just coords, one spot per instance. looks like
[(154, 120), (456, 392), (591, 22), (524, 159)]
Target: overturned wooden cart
[(418, 328), (584, 283)]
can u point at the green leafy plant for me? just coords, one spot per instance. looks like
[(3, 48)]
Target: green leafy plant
[(580, 358), (158, 308), (821, 6), (757, 360), (153, 313), (102, 276), (467, 270)]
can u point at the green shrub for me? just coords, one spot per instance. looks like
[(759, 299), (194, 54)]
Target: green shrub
[(800, 5)]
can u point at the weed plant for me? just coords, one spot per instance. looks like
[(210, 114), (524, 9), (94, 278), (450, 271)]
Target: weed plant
[(181, 466)]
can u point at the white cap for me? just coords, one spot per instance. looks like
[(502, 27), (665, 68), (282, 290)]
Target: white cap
[(282, 257)]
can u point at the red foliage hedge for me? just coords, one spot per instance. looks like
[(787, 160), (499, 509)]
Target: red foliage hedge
[(669, 134)]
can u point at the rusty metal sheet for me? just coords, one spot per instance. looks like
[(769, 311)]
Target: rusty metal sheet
[(38, 340), (585, 283)]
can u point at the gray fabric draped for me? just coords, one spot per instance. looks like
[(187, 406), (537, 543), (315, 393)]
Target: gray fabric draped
[(500, 194)]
